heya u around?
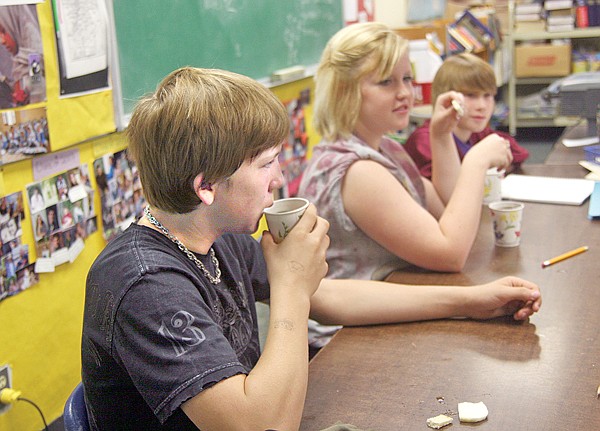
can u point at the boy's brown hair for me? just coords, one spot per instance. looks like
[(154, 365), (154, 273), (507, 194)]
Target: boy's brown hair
[(465, 73), (200, 121)]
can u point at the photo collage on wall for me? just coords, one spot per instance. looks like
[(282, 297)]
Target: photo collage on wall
[(62, 212), (23, 134), (120, 189), (293, 153), (16, 272)]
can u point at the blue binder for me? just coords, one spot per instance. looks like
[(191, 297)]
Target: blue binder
[(594, 209)]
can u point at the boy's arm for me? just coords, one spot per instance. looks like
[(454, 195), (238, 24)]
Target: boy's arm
[(365, 302), (272, 395)]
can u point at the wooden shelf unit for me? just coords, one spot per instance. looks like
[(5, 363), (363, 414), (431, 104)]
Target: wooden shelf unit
[(512, 38)]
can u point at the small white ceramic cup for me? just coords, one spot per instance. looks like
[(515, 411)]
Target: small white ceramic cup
[(283, 215), (506, 218), (492, 188)]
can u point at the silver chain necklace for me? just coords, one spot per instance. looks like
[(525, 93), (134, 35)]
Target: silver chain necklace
[(217, 277)]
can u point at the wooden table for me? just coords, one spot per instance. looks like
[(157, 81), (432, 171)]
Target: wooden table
[(538, 375), (561, 155)]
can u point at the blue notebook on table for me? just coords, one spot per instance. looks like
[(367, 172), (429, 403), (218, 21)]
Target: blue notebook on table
[(594, 210)]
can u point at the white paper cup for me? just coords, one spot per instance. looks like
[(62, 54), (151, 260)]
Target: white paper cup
[(283, 215), (492, 187), (506, 218)]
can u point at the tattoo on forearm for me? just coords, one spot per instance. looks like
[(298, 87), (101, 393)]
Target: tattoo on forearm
[(295, 266), (285, 324)]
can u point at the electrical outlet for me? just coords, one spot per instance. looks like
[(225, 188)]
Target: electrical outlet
[(5, 382)]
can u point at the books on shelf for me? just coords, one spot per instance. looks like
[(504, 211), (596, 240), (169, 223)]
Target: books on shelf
[(468, 33), (530, 26), (528, 8), (560, 16), (464, 36), (457, 36), (560, 27), (528, 12), (582, 14), (527, 17), (558, 4), (556, 15), (594, 13), (453, 46), (477, 28), (587, 13)]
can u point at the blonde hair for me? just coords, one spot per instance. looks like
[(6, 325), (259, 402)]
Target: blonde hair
[(465, 73), (200, 121), (351, 54)]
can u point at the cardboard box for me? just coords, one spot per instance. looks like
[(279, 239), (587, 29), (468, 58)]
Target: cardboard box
[(542, 60), (420, 31)]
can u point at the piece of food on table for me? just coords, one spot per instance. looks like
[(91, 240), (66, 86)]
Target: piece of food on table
[(439, 421), (472, 412)]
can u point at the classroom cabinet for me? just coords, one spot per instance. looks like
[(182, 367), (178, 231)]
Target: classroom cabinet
[(519, 87)]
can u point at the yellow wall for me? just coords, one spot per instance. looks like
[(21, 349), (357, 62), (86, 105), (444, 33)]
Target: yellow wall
[(41, 327)]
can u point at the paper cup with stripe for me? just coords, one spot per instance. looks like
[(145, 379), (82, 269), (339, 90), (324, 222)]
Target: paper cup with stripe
[(283, 215)]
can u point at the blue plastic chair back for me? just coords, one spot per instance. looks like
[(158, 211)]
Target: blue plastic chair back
[(75, 415)]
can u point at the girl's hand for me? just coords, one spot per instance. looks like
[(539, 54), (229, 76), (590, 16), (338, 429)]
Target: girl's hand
[(494, 151), (445, 116)]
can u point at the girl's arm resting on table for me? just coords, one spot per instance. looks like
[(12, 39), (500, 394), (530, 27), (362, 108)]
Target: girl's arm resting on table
[(384, 211), (365, 302), (272, 395)]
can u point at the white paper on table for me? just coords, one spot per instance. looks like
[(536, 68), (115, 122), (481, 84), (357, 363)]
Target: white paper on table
[(592, 167), (566, 191), (592, 176), (580, 142)]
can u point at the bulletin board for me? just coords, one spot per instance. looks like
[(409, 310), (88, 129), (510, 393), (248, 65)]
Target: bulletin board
[(253, 38), (71, 120)]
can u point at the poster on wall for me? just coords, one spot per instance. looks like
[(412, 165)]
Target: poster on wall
[(82, 42), (22, 75), (120, 191), (293, 152)]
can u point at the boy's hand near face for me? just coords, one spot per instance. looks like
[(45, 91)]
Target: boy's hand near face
[(298, 262)]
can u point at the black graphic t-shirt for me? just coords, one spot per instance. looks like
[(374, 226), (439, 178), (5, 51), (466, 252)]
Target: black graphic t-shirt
[(156, 332)]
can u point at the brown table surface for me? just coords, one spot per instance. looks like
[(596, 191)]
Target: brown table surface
[(561, 155), (538, 375)]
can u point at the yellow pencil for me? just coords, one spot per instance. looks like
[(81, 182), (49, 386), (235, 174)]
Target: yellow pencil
[(564, 256)]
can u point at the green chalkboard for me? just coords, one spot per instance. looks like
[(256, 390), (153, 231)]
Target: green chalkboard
[(251, 37)]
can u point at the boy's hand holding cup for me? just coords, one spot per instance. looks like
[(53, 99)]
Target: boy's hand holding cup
[(303, 261)]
